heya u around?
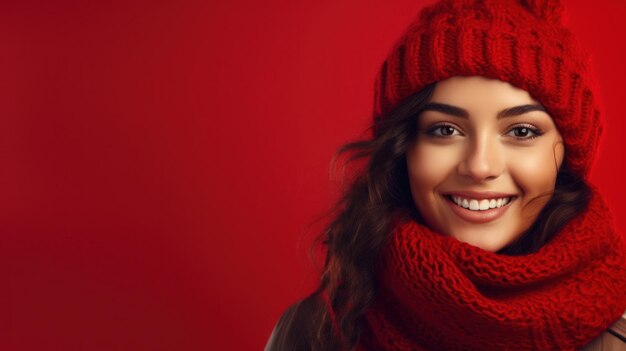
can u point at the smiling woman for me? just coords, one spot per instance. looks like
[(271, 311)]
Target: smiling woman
[(484, 162), (474, 225)]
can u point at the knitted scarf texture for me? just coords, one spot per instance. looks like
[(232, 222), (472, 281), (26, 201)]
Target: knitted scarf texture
[(437, 293)]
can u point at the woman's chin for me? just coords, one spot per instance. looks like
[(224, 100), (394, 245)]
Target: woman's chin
[(483, 241)]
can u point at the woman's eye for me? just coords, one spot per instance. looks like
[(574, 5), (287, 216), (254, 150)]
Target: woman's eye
[(524, 132), (443, 130)]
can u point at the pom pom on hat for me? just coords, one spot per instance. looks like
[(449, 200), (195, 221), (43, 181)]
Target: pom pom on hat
[(522, 42)]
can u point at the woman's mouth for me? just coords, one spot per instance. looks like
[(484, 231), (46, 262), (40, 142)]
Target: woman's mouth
[(479, 210), (480, 204)]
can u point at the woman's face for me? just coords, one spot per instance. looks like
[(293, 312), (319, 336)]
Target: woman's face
[(484, 161)]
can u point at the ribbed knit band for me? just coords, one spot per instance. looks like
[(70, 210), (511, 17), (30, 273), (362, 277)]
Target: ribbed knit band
[(522, 42)]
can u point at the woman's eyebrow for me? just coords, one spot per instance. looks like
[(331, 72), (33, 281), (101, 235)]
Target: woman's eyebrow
[(447, 109), (520, 110), (459, 112)]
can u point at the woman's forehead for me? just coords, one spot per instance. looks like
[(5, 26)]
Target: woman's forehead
[(480, 93)]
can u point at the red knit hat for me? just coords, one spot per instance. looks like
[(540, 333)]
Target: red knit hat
[(522, 42)]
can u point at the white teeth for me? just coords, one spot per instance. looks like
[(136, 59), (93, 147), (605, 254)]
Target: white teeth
[(484, 204), (473, 205), (480, 205)]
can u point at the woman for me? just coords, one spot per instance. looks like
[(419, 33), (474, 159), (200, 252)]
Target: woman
[(473, 226)]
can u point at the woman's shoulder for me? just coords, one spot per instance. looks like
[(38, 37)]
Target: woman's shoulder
[(295, 327), (613, 339)]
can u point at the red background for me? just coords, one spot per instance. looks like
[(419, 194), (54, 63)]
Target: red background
[(162, 159)]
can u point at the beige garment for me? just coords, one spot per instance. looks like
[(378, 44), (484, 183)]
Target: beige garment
[(613, 339)]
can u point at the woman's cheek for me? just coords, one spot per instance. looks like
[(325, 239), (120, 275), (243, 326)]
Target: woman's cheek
[(435, 163), (534, 171)]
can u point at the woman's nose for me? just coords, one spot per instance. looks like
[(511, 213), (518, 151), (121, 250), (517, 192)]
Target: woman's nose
[(483, 161)]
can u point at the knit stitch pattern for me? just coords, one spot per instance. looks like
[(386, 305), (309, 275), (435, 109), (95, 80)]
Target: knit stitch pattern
[(522, 42), (438, 293)]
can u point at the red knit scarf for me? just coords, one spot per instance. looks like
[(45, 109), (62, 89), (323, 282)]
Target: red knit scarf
[(437, 293)]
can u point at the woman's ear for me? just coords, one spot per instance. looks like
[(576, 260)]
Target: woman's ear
[(559, 153)]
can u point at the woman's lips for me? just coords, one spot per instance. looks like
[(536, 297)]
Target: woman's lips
[(479, 216)]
